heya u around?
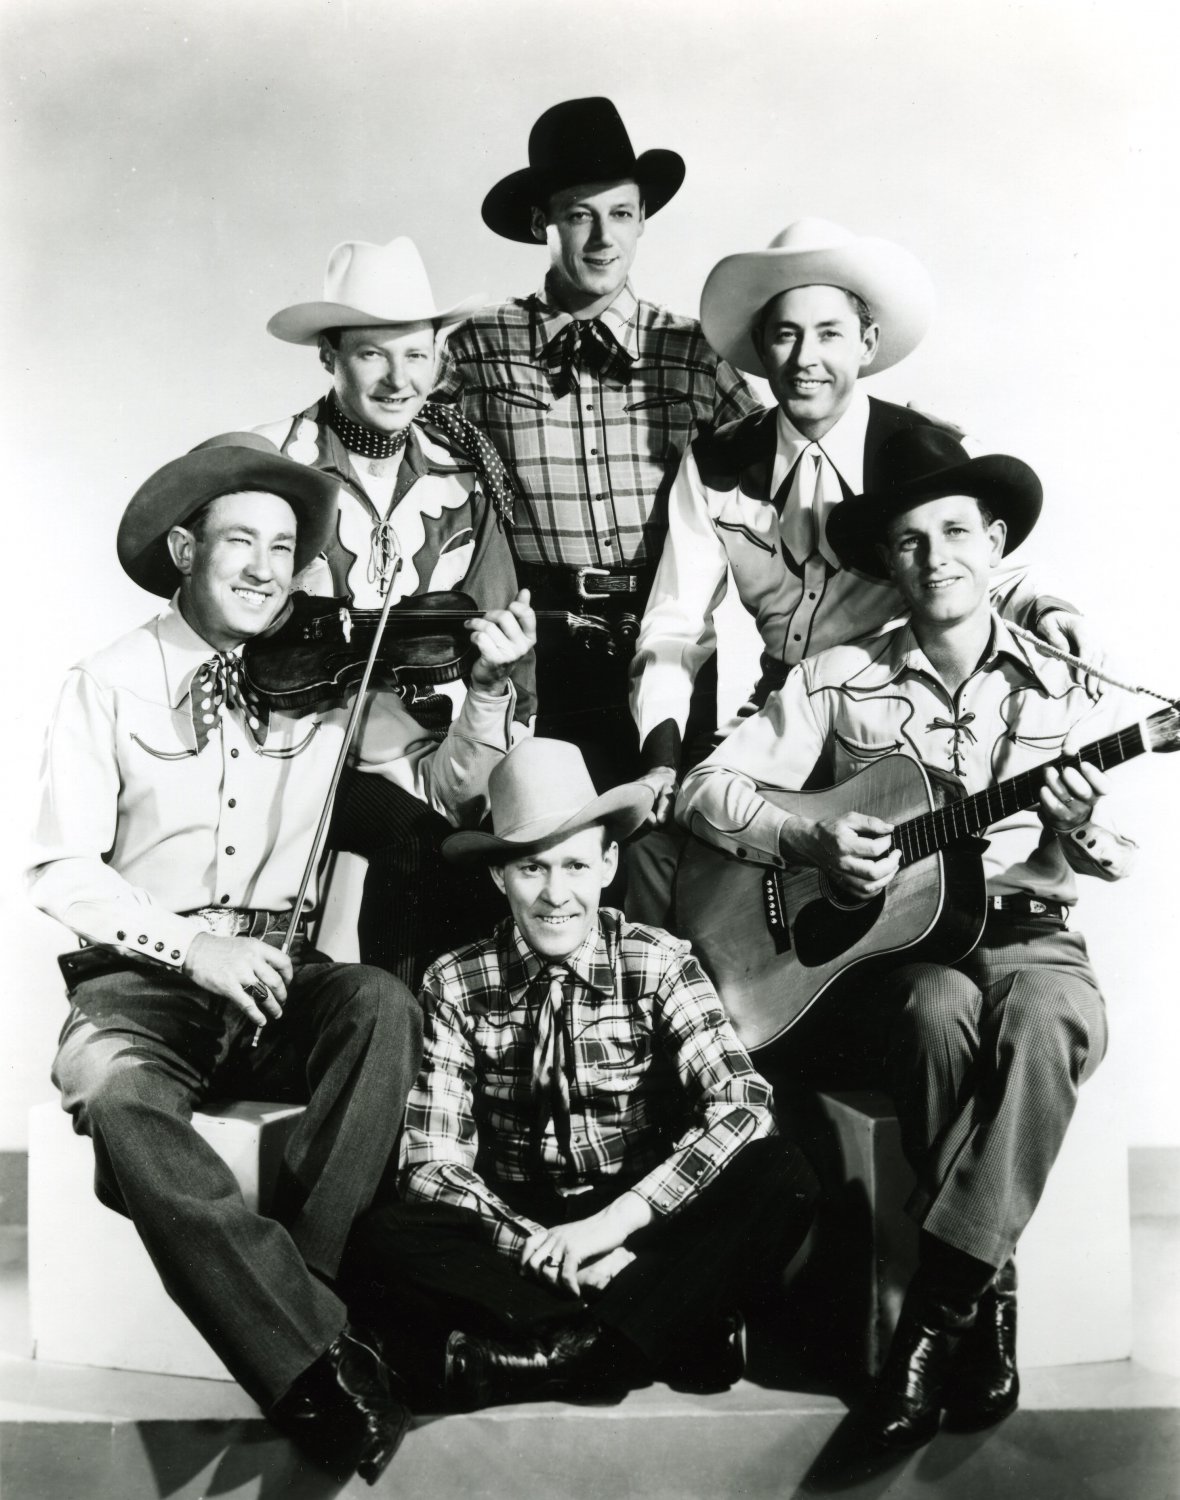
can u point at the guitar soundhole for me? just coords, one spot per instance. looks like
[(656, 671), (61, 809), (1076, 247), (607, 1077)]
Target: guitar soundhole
[(822, 931)]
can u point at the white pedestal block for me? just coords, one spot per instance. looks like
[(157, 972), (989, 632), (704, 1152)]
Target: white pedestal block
[(342, 884), (1073, 1261), (94, 1295)]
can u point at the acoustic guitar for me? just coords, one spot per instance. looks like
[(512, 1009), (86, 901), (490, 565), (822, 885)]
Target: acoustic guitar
[(774, 940)]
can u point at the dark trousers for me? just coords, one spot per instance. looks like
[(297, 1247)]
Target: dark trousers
[(142, 1048), (416, 904), (430, 1268), (983, 1061)]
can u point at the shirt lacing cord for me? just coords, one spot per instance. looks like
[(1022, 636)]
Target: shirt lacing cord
[(961, 732)]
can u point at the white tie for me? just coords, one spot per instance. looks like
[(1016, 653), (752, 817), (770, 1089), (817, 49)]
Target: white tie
[(801, 521)]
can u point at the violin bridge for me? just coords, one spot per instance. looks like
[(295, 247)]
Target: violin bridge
[(346, 625)]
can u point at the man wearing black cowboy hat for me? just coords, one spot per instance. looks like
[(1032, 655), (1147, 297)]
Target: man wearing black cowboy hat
[(587, 1182), (816, 313), (983, 1057), (590, 395), (177, 817)]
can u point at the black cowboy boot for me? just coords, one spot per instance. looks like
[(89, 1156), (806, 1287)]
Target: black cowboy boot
[(984, 1384), (342, 1412), (578, 1359), (906, 1400)]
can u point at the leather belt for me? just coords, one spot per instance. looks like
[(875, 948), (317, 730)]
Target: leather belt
[(246, 921), (575, 588), (1027, 906)]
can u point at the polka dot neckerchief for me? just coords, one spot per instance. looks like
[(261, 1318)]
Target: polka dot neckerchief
[(219, 683)]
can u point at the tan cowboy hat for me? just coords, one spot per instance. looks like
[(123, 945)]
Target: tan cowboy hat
[(365, 285), (813, 252), (223, 465), (541, 792)]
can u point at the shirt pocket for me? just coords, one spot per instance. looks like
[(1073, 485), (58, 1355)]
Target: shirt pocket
[(162, 733), (862, 751)]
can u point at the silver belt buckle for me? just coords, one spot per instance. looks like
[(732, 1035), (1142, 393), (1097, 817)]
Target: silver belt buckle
[(223, 921), (580, 578), (1037, 907)]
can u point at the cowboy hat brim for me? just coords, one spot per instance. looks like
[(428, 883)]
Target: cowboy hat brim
[(303, 322), (1007, 486), (894, 284), (508, 208), (175, 492), (622, 809)]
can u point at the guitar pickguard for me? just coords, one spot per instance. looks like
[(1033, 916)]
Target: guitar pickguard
[(823, 931)]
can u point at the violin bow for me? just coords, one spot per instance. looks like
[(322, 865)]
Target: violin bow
[(354, 719)]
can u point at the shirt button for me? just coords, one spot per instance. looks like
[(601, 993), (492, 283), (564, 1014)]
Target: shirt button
[(225, 900), (176, 953), (233, 802), (122, 935), (604, 497), (741, 853), (593, 452), (229, 848), (143, 937), (797, 637), (233, 755), (811, 596), (159, 947)]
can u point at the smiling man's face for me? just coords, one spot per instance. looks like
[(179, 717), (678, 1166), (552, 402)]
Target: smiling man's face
[(593, 233), (236, 563), (940, 555), (554, 893), (382, 375), (813, 350)]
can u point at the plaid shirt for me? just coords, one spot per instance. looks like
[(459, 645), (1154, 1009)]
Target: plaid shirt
[(594, 464), (662, 1094)]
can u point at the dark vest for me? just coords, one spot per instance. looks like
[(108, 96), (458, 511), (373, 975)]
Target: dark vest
[(740, 455)]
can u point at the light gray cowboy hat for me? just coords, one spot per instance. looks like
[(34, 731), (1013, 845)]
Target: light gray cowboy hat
[(541, 792), (223, 465), (366, 285), (813, 252)]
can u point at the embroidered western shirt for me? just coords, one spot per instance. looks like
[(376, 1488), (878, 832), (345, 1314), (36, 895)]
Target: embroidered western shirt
[(802, 604), (595, 463), (662, 1094), (848, 707), (136, 826)]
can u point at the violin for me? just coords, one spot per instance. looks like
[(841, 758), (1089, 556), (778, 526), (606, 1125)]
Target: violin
[(317, 647)]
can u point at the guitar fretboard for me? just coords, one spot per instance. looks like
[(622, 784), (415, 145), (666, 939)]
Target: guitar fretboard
[(967, 818)]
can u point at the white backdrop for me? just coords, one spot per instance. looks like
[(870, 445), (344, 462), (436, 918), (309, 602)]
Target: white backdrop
[(175, 173)]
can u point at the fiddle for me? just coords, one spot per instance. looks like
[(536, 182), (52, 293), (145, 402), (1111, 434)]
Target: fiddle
[(316, 648)]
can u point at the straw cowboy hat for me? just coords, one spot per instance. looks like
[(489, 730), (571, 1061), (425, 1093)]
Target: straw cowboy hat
[(365, 285), (223, 465), (578, 141), (927, 463), (541, 792), (813, 252)]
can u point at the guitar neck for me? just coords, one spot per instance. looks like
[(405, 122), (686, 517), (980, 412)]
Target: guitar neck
[(969, 817)]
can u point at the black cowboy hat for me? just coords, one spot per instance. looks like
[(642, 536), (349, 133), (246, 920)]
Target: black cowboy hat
[(230, 462), (578, 140), (927, 463)]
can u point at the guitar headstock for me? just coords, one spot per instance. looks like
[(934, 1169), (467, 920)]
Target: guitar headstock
[(1162, 729)]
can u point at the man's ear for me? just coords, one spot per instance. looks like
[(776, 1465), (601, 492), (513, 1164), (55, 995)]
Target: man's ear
[(869, 340), (327, 355), (181, 546), (610, 862), (883, 552), (997, 533), (497, 874), (537, 225)]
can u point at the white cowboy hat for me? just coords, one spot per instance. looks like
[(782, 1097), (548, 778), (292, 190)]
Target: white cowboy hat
[(365, 285), (813, 252), (541, 792)]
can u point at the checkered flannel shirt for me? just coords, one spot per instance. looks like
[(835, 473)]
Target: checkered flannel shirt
[(595, 464), (662, 1094)]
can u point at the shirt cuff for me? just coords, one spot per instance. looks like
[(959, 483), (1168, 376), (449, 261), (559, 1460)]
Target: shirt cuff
[(150, 932), (1094, 850)]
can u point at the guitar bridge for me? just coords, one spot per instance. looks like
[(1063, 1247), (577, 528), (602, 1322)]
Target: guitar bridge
[(773, 909)]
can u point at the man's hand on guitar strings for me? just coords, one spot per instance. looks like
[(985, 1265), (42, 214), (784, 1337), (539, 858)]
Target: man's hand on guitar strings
[(853, 849), (1069, 796)]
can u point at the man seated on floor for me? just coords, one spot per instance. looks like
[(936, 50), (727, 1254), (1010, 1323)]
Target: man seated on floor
[(176, 821), (424, 504), (591, 1180), (984, 1056)]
